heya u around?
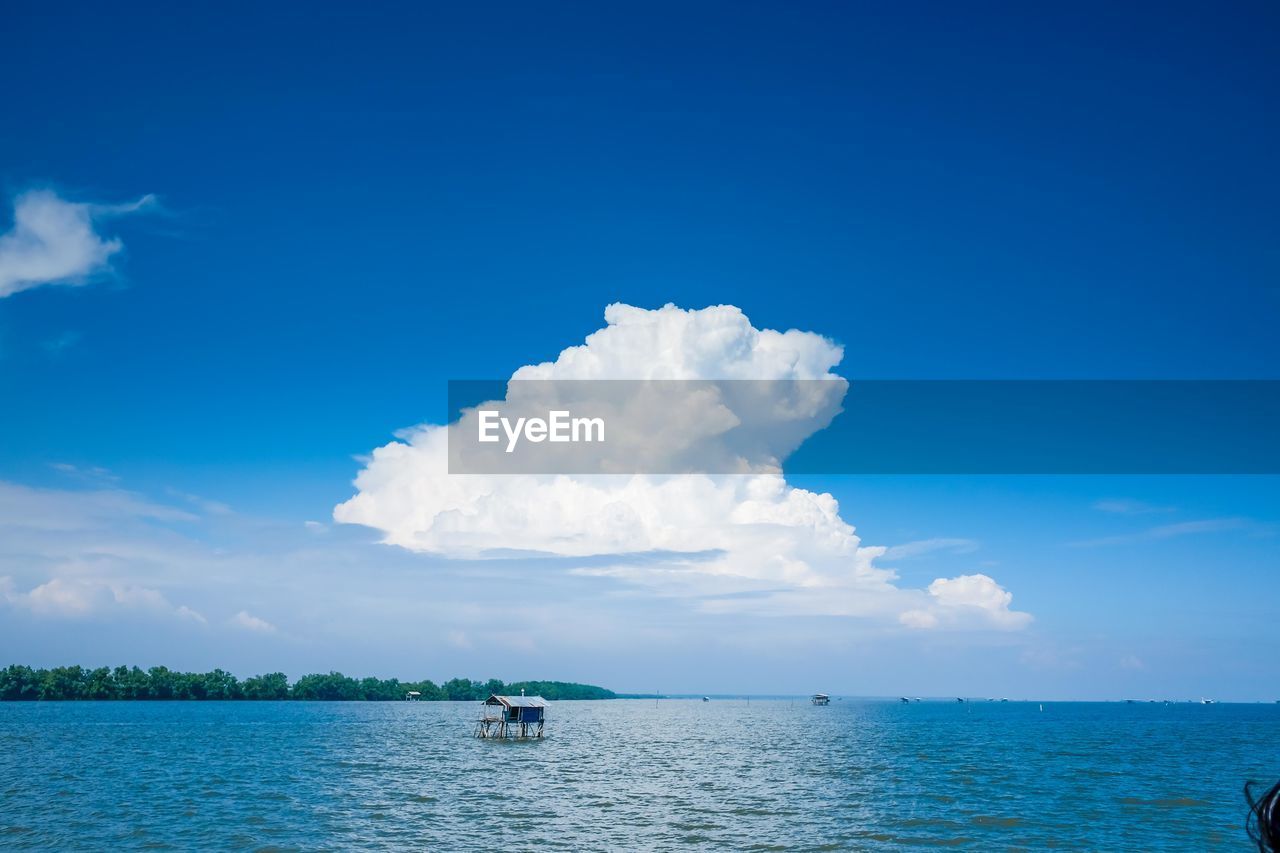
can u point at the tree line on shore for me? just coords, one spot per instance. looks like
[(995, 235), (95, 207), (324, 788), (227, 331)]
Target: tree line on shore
[(18, 683)]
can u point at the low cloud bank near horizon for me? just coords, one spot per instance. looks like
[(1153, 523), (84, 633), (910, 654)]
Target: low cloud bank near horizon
[(774, 549), (98, 574)]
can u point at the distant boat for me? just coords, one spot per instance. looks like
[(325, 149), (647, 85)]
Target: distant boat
[(958, 699), (1004, 699), (904, 699), (1204, 701), (706, 698), (820, 699)]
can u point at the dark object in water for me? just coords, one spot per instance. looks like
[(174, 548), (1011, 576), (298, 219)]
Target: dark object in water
[(1263, 822)]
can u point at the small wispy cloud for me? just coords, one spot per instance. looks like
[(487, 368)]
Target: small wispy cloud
[(79, 596), (209, 507), (1125, 506), (60, 343), (1050, 658), (187, 613), (1184, 528), (91, 473), (55, 241), (920, 547), (246, 620)]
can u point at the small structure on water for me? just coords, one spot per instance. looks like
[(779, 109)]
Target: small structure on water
[(512, 717), (413, 696), (820, 699)]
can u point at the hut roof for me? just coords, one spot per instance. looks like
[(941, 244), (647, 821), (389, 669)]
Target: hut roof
[(517, 701)]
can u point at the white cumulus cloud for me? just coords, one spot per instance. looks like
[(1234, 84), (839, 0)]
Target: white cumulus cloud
[(55, 241), (966, 600), (745, 542)]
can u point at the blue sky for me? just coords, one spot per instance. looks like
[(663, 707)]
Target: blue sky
[(352, 209)]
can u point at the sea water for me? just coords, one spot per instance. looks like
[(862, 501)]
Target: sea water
[(764, 774)]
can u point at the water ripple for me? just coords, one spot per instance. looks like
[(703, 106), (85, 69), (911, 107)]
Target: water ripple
[(630, 774)]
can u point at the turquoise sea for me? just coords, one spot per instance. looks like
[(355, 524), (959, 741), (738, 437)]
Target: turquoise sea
[(772, 774)]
